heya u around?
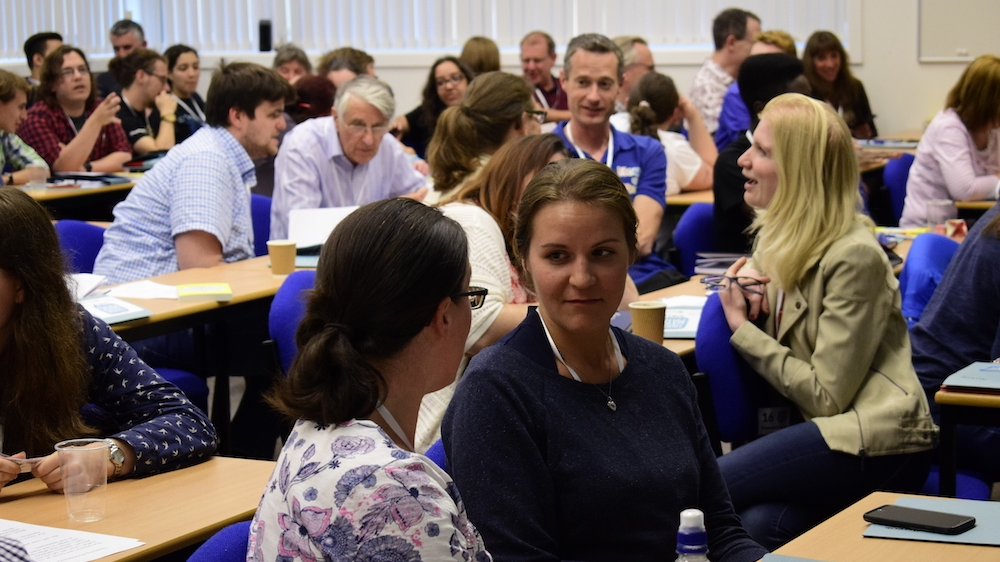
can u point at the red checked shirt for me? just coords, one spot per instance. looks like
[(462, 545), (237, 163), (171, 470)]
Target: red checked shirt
[(47, 127)]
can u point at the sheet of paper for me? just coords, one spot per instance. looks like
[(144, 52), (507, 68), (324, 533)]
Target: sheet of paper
[(686, 301), (311, 227), (49, 544), (84, 284), (144, 290)]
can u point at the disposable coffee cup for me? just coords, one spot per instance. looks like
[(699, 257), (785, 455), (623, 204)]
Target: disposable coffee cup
[(282, 254), (648, 318), (36, 175), (940, 211), (84, 467)]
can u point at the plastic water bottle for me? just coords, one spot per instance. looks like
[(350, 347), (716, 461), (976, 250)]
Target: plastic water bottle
[(692, 539)]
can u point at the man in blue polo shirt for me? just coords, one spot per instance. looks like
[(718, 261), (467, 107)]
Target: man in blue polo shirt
[(591, 76)]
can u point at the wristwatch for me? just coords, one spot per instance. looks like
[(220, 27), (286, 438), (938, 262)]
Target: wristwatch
[(117, 457), (169, 118), (88, 166)]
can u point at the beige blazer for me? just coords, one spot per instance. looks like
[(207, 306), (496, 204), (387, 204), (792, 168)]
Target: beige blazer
[(843, 352)]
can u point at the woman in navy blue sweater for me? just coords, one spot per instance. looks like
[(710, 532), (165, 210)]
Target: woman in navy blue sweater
[(571, 440)]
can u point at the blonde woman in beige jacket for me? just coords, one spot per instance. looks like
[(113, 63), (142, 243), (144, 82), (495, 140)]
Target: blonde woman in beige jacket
[(817, 315)]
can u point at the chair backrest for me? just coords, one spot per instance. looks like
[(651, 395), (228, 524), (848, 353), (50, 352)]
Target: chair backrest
[(746, 406), (260, 214), (287, 309), (923, 269), (695, 232), (436, 454), (894, 176), (80, 242), (228, 545)]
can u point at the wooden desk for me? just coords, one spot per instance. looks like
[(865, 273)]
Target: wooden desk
[(975, 205), (692, 287), (961, 408), (688, 198), (253, 290), (839, 539), (56, 193), (168, 511)]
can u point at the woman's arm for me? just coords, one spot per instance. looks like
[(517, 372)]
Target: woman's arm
[(856, 305), (702, 144), (951, 152)]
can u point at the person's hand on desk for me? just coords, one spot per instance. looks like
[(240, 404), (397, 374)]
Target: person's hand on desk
[(9, 470), (49, 470), (739, 303)]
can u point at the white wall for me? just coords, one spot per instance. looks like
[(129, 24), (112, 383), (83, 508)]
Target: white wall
[(903, 92)]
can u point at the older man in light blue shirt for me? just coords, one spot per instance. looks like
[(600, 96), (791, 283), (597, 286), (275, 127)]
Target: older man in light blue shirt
[(343, 160)]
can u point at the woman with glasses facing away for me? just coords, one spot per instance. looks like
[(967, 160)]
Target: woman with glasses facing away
[(385, 325), (148, 112), (69, 126), (446, 84), (826, 332), (496, 109), (570, 439)]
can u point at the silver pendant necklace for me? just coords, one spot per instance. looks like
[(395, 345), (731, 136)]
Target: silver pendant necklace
[(618, 359)]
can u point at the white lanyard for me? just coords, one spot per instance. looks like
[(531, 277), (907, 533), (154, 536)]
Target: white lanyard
[(149, 128), (394, 425), (576, 377), (73, 125), (540, 95), (580, 153), (193, 111)]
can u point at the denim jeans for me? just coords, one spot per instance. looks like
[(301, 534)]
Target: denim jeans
[(788, 481)]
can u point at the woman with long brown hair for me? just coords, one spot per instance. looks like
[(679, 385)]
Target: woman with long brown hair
[(497, 108), (55, 358), (828, 69)]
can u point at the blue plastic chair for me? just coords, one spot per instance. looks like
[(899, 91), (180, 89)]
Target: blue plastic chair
[(228, 545), (894, 175), (968, 485), (260, 214), (193, 386), (436, 454), (287, 309), (695, 232), (80, 242), (738, 392), (923, 269)]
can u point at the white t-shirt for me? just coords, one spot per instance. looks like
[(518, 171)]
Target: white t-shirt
[(682, 161)]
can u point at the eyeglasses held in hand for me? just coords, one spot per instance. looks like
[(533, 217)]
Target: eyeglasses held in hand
[(721, 283), (477, 296)]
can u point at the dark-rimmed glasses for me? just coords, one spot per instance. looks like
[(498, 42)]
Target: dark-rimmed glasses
[(537, 114), (716, 283), (477, 296)]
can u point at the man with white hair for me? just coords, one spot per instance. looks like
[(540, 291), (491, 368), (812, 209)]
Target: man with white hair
[(348, 158)]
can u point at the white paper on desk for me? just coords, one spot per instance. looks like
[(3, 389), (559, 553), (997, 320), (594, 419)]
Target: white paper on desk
[(145, 289), (311, 227), (83, 284), (49, 544)]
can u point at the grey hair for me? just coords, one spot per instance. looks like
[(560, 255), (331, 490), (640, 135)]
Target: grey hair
[(367, 89), (593, 43), (627, 44), (122, 27), (291, 53)]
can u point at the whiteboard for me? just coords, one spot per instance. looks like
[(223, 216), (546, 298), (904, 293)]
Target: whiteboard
[(958, 30)]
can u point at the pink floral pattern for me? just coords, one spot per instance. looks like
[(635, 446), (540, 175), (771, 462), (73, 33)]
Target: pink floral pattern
[(346, 492)]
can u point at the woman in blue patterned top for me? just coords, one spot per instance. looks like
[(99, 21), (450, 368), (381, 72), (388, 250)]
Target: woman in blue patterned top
[(385, 325), (64, 373)]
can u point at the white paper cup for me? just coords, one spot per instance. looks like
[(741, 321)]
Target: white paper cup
[(282, 254), (648, 318), (84, 467)]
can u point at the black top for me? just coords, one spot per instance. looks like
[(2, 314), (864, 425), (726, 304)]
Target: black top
[(732, 214), (188, 118), (419, 135), (136, 124)]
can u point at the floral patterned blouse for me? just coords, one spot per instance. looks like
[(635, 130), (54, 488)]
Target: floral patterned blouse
[(347, 492)]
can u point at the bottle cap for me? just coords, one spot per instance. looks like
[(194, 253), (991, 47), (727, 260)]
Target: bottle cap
[(691, 535)]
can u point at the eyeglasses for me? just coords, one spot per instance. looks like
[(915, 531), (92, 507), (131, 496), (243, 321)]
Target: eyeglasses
[(358, 129), (477, 296), (537, 114), (721, 283), (69, 72), (163, 79), (453, 79)]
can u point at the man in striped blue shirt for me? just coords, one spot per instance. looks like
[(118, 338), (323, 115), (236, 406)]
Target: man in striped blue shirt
[(193, 208)]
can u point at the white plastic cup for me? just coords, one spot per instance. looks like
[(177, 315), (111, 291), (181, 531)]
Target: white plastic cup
[(940, 211), (84, 467)]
